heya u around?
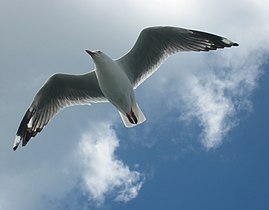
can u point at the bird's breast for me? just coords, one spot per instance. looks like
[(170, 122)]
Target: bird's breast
[(116, 86)]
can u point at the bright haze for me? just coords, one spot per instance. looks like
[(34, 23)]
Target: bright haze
[(204, 144)]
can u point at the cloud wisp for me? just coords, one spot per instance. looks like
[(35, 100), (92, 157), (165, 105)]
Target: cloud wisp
[(215, 96), (103, 175), (50, 182)]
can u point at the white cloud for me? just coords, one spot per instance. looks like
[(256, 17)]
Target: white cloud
[(214, 88), (211, 107), (216, 95), (47, 180), (104, 174)]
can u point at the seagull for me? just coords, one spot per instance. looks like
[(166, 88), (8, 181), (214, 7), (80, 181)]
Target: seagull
[(114, 81)]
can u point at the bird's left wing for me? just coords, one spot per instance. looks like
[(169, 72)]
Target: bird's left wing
[(60, 91), (154, 44)]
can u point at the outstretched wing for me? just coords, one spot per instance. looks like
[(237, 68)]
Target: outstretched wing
[(60, 91), (154, 44)]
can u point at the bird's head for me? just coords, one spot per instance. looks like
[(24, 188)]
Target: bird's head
[(98, 56)]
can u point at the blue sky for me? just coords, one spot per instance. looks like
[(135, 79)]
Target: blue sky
[(204, 144)]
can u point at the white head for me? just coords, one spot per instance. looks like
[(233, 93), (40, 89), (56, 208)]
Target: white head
[(98, 57)]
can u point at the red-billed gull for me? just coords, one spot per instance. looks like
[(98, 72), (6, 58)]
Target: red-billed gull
[(114, 80)]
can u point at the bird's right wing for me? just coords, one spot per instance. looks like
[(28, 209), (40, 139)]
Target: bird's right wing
[(60, 91)]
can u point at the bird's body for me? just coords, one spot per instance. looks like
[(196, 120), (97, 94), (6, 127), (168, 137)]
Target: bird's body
[(110, 75), (117, 88), (114, 80)]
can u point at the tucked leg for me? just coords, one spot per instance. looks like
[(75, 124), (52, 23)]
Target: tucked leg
[(131, 117)]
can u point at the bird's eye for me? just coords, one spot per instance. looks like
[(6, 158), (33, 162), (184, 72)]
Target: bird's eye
[(98, 51)]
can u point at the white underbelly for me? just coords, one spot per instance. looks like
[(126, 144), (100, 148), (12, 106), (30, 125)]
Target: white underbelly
[(117, 88)]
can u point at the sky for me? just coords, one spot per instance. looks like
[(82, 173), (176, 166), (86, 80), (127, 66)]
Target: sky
[(205, 142)]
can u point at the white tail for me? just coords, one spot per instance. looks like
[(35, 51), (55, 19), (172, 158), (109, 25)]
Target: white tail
[(139, 115)]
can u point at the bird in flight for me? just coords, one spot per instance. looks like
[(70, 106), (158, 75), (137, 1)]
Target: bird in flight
[(114, 80)]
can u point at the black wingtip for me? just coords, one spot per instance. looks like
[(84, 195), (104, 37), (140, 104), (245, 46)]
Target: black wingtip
[(235, 44), (23, 132), (17, 142)]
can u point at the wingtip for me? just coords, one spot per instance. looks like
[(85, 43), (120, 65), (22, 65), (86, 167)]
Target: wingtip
[(16, 142), (228, 42)]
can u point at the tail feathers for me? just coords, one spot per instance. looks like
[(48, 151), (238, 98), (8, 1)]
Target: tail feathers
[(138, 117), (25, 131)]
